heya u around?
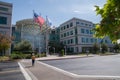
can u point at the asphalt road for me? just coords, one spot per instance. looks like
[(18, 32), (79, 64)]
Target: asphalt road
[(10, 71), (98, 65)]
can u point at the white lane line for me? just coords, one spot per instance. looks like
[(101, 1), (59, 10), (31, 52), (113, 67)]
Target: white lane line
[(10, 71), (79, 76), (26, 75)]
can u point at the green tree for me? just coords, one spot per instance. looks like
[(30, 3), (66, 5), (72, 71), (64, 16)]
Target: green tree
[(23, 46), (95, 48), (57, 45), (116, 47), (5, 42), (110, 23), (104, 47)]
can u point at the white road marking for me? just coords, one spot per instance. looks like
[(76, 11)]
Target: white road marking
[(80, 76), (26, 75)]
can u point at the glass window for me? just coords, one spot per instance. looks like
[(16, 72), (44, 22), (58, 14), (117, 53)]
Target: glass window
[(61, 35), (67, 26), (64, 34), (3, 9), (71, 40), (71, 32), (82, 31), (68, 41), (82, 23), (92, 40), (91, 32), (64, 42), (3, 20), (67, 33), (77, 23), (64, 27), (83, 40), (71, 24), (87, 31), (87, 40)]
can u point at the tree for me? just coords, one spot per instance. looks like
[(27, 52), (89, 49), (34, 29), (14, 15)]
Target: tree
[(23, 46), (104, 47), (4, 43), (57, 45), (116, 47), (110, 23), (95, 48)]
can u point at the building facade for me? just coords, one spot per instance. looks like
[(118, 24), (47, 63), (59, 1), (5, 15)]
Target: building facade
[(77, 35), (28, 30), (5, 19)]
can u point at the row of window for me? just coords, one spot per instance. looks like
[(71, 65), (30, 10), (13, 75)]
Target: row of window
[(88, 40), (66, 34), (67, 26), (70, 41), (86, 31), (3, 20), (3, 9), (92, 40), (84, 24)]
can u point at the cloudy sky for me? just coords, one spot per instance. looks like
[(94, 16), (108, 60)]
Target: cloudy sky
[(57, 10)]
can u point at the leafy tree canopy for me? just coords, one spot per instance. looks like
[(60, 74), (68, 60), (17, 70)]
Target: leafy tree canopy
[(110, 23), (23, 46)]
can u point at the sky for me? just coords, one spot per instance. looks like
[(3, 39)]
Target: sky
[(58, 11)]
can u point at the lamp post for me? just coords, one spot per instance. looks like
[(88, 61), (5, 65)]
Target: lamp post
[(65, 50), (54, 50)]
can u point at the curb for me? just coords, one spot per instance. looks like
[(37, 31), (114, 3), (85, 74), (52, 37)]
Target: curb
[(62, 58)]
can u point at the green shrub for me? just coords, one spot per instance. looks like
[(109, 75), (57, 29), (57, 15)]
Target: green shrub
[(16, 56), (4, 58)]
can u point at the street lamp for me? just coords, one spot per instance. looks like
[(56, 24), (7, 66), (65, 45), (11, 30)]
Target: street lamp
[(65, 50), (54, 50)]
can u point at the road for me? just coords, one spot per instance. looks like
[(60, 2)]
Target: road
[(9, 70), (98, 65)]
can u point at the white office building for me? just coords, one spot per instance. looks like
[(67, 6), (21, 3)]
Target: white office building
[(77, 35), (5, 20)]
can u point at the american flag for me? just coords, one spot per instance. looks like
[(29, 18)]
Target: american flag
[(38, 19)]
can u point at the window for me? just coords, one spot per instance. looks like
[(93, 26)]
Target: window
[(3, 9), (82, 31), (87, 40), (64, 42), (91, 40), (67, 33), (71, 41), (77, 23), (82, 23), (61, 35), (91, 32), (68, 41), (87, 31), (71, 32), (83, 40), (67, 26), (71, 24), (61, 28), (64, 34), (3, 20), (86, 24), (64, 27)]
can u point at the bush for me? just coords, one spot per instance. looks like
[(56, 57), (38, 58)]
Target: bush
[(4, 58), (16, 56)]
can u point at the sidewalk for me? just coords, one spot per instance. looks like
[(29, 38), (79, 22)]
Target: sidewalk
[(43, 71)]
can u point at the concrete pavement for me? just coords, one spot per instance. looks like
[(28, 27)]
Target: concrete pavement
[(42, 71)]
